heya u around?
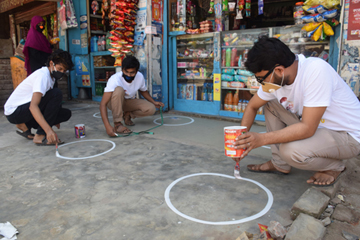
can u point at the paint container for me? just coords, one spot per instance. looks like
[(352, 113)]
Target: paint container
[(230, 134), (80, 130)]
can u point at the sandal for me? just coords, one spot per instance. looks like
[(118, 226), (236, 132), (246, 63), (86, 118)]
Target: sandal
[(267, 167), (122, 129), (320, 176), (26, 134), (44, 142)]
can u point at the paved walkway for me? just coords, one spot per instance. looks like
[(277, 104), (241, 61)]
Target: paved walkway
[(120, 194)]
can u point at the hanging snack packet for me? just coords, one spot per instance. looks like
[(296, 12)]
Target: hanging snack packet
[(330, 14), (328, 29), (310, 26), (332, 22), (315, 37)]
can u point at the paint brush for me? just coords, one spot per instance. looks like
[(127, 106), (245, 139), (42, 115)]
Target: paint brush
[(237, 171), (57, 151)]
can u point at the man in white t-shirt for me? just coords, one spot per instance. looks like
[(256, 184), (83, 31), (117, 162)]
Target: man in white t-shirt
[(35, 103), (311, 114), (119, 97)]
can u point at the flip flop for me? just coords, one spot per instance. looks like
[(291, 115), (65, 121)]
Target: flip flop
[(330, 184), (45, 143), (25, 134), (268, 165)]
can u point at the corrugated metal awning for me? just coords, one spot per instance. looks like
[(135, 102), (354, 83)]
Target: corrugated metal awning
[(7, 5)]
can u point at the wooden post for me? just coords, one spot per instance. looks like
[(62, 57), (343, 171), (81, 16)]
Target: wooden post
[(12, 31)]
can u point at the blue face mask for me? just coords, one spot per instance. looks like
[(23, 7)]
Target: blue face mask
[(128, 78)]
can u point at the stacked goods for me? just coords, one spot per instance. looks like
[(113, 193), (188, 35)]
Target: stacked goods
[(206, 26), (122, 17), (321, 18)]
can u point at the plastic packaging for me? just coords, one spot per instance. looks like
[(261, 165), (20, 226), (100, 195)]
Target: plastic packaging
[(228, 57), (94, 44), (233, 57), (225, 77), (228, 101), (228, 71), (235, 101), (223, 55), (298, 13)]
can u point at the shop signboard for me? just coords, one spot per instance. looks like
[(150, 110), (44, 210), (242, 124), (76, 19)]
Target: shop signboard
[(354, 20)]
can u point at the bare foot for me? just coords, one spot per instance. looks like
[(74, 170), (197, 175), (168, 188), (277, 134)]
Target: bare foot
[(324, 178), (267, 167), (127, 120), (38, 138), (22, 127)]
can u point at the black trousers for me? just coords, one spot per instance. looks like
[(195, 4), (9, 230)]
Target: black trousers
[(50, 107)]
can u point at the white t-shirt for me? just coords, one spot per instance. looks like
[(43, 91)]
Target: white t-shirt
[(39, 81), (130, 89), (317, 84)]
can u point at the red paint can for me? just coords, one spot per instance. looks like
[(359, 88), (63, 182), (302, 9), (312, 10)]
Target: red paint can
[(80, 130), (230, 134)]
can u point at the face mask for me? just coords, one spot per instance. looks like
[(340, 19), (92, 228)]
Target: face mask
[(128, 78), (272, 87), (56, 74), (39, 28)]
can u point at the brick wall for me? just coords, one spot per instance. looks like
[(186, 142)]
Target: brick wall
[(6, 85)]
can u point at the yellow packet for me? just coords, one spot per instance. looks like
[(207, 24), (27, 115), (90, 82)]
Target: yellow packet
[(310, 26), (317, 33), (328, 29)]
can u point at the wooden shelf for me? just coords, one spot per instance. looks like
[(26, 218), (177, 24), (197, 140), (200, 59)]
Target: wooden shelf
[(100, 81)]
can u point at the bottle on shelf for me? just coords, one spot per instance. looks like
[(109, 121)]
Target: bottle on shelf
[(233, 57), (103, 43), (204, 93), (94, 44), (108, 45), (239, 105), (228, 57), (210, 92), (240, 61), (228, 101), (223, 55), (235, 101)]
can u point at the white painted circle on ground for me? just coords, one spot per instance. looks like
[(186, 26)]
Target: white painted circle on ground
[(247, 219), (89, 140), (97, 115), (174, 118)]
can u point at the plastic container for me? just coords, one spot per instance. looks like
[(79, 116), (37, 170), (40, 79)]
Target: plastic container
[(223, 55), (228, 57), (94, 44), (235, 101), (298, 13), (233, 57)]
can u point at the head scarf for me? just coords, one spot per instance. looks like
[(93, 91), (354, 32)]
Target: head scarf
[(35, 40)]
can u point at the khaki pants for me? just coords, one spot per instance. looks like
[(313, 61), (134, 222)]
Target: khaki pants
[(321, 152), (137, 107)]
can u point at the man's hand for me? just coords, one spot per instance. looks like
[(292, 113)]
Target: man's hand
[(51, 137), (159, 104), (110, 131), (248, 141)]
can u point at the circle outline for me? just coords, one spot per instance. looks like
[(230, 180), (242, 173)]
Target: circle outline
[(181, 124), (253, 217), (95, 115), (88, 140)]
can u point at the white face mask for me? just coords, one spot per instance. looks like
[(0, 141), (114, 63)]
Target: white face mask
[(272, 87)]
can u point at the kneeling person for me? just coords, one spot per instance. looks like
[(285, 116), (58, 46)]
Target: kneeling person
[(35, 103), (119, 97)]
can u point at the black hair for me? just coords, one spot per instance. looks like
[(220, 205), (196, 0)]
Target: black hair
[(130, 62), (61, 57), (268, 52)]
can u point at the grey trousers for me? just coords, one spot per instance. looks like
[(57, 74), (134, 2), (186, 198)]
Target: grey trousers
[(322, 152), (137, 107)]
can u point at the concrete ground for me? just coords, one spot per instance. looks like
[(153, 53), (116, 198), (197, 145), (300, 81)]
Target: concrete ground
[(120, 194)]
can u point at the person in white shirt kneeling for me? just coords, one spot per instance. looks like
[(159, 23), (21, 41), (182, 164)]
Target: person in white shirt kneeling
[(35, 103), (119, 97)]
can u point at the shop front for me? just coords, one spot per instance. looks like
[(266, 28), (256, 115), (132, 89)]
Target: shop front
[(107, 31), (15, 17), (209, 41)]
